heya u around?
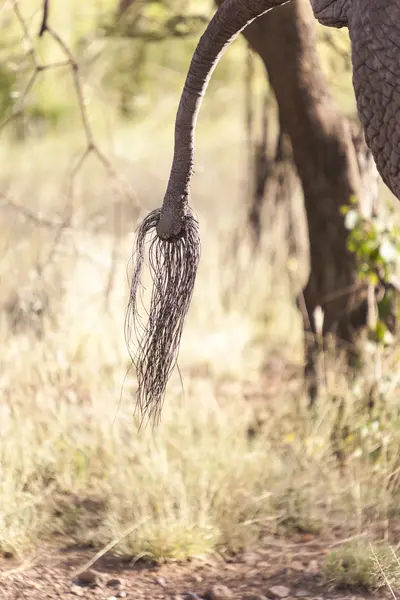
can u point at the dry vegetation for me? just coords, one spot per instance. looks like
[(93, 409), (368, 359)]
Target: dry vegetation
[(237, 456)]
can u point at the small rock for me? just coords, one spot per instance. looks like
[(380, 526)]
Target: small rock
[(296, 565), (76, 590), (114, 583), (313, 567), (251, 574), (279, 591), (301, 594), (250, 558), (87, 578), (252, 596), (219, 592), (161, 581), (121, 594), (111, 597)]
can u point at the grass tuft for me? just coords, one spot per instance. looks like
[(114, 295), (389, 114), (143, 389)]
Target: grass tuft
[(362, 565)]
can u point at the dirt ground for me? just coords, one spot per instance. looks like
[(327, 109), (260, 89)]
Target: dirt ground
[(279, 570)]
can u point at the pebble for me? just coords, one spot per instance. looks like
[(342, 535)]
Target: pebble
[(76, 590), (87, 578), (263, 564), (296, 565), (301, 594), (219, 592), (279, 591), (114, 583), (250, 558), (161, 581), (313, 567)]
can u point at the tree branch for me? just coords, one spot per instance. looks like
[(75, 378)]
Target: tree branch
[(43, 26)]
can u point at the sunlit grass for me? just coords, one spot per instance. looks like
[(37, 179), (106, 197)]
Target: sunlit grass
[(362, 565), (236, 456)]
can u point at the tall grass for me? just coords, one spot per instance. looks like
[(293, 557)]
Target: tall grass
[(236, 456)]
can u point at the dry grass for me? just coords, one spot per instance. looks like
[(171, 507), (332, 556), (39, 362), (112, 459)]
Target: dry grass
[(363, 565), (72, 460), (236, 456)]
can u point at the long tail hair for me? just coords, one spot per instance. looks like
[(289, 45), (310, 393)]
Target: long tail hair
[(173, 267)]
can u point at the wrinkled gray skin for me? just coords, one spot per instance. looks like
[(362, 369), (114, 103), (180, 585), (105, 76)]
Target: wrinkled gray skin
[(332, 13), (374, 27)]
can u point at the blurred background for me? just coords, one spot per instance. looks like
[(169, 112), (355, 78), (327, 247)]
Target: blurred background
[(283, 418)]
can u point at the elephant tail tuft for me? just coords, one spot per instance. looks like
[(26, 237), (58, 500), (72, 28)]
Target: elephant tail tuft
[(154, 342)]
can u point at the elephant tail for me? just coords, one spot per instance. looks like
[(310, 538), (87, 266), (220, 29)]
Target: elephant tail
[(172, 231)]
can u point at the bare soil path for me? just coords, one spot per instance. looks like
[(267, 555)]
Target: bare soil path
[(277, 571)]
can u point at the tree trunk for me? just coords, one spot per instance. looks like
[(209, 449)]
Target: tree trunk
[(326, 163)]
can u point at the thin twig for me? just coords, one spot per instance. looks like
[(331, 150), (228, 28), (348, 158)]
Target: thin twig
[(33, 60), (91, 146), (27, 35), (107, 548), (43, 26), (28, 215), (70, 62), (382, 572)]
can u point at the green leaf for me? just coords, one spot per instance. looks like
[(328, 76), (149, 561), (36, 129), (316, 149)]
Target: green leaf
[(381, 335), (379, 332), (373, 278)]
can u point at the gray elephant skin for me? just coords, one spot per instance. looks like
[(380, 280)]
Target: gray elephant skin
[(374, 27)]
